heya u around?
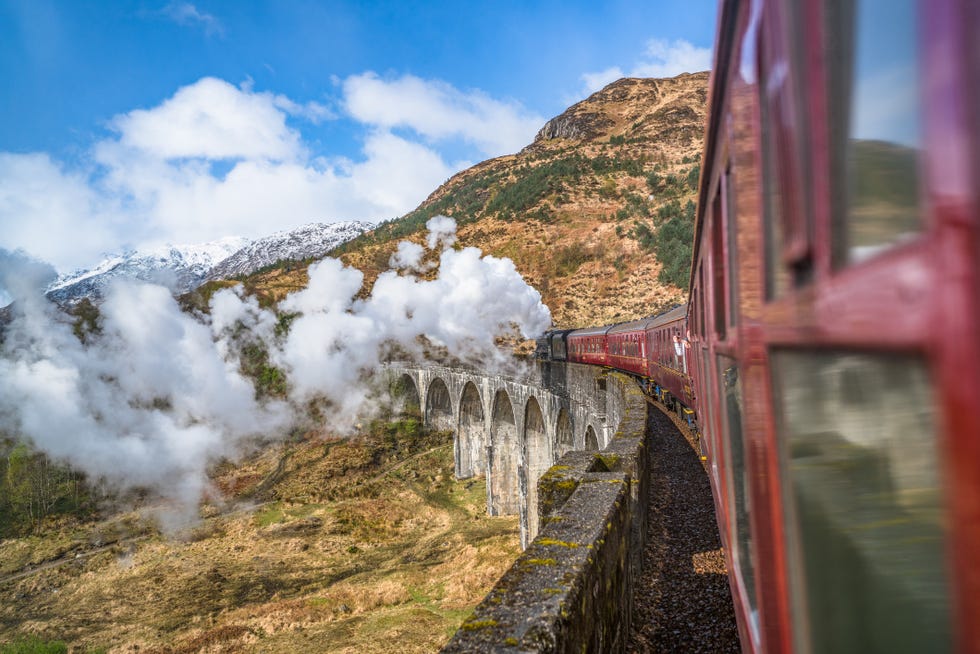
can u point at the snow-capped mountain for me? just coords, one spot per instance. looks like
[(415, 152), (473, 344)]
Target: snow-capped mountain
[(313, 240), (185, 267), (181, 267)]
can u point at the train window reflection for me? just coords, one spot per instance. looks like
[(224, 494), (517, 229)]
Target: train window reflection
[(862, 489), (877, 150), (777, 276), (731, 227), (718, 266), (741, 537)]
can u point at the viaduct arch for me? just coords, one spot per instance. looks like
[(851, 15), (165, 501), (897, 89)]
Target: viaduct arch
[(510, 429)]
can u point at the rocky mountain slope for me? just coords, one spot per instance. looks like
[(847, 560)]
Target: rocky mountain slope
[(597, 212), (185, 267)]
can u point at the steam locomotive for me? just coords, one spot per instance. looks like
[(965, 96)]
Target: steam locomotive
[(829, 352)]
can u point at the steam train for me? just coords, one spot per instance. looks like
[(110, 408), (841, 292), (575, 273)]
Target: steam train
[(830, 347)]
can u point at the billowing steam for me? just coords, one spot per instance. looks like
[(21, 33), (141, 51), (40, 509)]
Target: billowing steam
[(158, 395)]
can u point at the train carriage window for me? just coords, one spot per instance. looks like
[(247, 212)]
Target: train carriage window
[(731, 228), (865, 519), (786, 165), (777, 275), (701, 321), (874, 119), (718, 266), (705, 407), (739, 490)]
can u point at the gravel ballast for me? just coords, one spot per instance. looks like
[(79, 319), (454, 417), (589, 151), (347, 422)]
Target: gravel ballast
[(683, 602)]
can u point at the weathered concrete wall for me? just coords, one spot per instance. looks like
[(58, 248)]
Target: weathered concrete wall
[(512, 428), (571, 590)]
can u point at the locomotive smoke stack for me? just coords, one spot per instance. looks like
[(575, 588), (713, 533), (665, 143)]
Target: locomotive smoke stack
[(158, 394)]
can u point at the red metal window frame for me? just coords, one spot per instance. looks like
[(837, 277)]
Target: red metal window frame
[(920, 297)]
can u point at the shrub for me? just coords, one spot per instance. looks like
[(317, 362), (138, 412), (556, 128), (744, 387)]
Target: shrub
[(693, 176), (645, 236), (674, 250), (87, 320), (653, 180), (32, 487), (569, 258), (608, 188), (534, 185), (669, 211), (269, 381)]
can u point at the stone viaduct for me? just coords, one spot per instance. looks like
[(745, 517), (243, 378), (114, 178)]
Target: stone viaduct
[(566, 447), (513, 428)]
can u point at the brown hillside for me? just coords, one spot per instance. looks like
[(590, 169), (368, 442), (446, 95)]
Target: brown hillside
[(590, 211), (319, 545)]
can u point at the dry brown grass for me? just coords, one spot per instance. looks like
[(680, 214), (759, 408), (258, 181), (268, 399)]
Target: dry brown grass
[(400, 555)]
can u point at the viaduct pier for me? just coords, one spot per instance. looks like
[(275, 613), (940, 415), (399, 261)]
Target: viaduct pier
[(562, 445)]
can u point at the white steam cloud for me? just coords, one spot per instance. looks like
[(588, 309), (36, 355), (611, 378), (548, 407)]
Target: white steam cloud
[(157, 396)]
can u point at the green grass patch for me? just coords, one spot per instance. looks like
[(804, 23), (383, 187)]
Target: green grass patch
[(270, 515), (34, 645)]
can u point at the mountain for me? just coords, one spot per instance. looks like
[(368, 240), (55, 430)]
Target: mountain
[(185, 267), (597, 212), (307, 242), (182, 267)]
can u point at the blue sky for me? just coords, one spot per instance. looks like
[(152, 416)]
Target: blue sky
[(127, 124)]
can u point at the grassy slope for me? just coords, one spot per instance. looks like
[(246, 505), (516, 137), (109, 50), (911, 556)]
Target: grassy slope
[(369, 546)]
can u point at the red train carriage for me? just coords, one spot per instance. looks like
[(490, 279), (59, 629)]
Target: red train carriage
[(668, 365), (835, 322), (628, 346), (588, 346), (655, 349)]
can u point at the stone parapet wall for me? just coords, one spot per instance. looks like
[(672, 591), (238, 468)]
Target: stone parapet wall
[(571, 590)]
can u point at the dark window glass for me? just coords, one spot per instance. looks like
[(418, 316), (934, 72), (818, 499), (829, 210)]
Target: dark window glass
[(864, 507), (739, 480), (701, 301), (731, 227), (718, 266), (777, 275)]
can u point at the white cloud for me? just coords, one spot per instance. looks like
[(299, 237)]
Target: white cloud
[(215, 160), (210, 119), (311, 111), (438, 111), (184, 13), (54, 214), (666, 59), (595, 81), (662, 58)]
